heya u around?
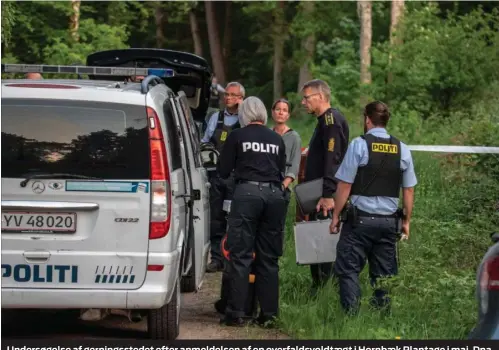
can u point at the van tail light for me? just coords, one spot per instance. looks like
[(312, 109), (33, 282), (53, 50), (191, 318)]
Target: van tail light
[(155, 267), (492, 269), (160, 179), (488, 282)]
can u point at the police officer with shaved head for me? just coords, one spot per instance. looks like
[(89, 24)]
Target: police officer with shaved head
[(376, 167), (258, 209)]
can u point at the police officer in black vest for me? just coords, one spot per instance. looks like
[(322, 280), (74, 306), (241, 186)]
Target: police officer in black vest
[(220, 125), (326, 150), (376, 167), (258, 211)]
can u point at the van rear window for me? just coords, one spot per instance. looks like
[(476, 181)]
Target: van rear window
[(104, 140)]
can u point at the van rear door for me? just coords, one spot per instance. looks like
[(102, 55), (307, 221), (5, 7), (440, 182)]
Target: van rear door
[(199, 241), (192, 73), (87, 229)]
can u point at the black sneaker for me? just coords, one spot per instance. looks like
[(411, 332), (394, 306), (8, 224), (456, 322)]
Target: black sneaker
[(233, 322), (214, 267)]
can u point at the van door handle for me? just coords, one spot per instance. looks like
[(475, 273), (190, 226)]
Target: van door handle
[(196, 195), (36, 256)]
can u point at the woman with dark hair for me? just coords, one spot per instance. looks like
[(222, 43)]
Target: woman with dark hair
[(280, 114)]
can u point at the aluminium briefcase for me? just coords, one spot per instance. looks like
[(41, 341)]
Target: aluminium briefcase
[(313, 242)]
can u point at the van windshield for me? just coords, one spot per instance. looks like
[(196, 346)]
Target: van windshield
[(103, 140)]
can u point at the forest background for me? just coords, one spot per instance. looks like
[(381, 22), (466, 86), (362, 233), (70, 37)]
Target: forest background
[(434, 63)]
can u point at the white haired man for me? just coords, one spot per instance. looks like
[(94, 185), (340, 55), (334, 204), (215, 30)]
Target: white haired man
[(257, 156), (220, 125)]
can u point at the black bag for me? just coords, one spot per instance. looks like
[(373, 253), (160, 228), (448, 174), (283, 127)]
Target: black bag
[(308, 194)]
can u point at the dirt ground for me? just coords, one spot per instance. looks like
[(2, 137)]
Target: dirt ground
[(199, 320)]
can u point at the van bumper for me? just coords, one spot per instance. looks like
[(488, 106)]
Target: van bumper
[(155, 292)]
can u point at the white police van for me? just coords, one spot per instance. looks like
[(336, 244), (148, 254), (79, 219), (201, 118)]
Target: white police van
[(104, 195)]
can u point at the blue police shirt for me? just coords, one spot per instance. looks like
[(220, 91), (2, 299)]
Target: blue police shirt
[(229, 120), (358, 155)]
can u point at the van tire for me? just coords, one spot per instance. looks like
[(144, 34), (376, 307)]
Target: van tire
[(164, 323)]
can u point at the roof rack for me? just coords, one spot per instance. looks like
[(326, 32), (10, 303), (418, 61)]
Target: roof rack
[(92, 70)]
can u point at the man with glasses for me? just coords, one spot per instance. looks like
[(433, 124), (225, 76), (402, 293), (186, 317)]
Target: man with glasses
[(220, 125), (326, 150)]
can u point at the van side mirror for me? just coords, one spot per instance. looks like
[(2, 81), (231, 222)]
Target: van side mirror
[(495, 237)]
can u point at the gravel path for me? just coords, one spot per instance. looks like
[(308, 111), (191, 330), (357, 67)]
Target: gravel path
[(199, 320)]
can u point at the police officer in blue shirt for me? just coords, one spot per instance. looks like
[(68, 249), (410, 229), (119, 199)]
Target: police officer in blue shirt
[(219, 127), (375, 168)]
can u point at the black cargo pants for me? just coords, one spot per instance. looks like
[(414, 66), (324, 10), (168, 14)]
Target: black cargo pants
[(256, 223), (369, 238), (220, 190)]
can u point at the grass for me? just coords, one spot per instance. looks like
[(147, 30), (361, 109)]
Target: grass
[(433, 295)]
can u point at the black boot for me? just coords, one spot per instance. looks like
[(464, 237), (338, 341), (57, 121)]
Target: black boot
[(233, 322)]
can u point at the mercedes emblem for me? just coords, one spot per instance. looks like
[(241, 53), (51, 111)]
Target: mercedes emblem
[(38, 187)]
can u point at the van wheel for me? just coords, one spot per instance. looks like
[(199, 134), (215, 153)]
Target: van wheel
[(164, 323)]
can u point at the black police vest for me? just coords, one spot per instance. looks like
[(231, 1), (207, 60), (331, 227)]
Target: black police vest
[(221, 132), (382, 175)]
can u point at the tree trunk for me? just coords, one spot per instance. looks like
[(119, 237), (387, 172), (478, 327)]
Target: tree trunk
[(214, 39), (227, 32), (279, 40), (308, 45), (74, 20), (395, 36), (364, 10), (278, 58), (158, 18), (196, 37)]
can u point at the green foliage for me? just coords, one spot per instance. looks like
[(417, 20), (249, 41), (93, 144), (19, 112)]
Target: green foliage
[(436, 281), (444, 90), (438, 96), (8, 21), (343, 75), (263, 14), (93, 37), (443, 64)]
